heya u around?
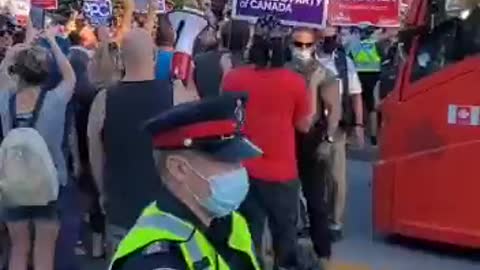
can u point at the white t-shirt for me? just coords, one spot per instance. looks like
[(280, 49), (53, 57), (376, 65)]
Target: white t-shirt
[(354, 85)]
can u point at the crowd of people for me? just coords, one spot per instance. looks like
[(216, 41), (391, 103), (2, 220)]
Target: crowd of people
[(88, 90)]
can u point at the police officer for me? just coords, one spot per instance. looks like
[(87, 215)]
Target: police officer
[(193, 223), (367, 58)]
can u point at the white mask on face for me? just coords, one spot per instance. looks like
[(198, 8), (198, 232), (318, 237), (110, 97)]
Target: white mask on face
[(302, 54)]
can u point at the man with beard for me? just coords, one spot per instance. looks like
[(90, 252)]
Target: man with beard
[(314, 148)]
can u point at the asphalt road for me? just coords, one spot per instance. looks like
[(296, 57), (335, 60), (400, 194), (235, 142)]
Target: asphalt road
[(362, 250)]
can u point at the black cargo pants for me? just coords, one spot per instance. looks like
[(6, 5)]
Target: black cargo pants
[(279, 203), (312, 176)]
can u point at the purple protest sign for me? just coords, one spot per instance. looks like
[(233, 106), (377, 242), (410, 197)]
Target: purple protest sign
[(310, 13), (97, 12)]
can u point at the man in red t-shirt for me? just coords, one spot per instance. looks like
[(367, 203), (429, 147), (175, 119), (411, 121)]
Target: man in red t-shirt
[(279, 103)]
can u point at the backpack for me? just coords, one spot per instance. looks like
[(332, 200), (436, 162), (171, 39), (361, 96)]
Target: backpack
[(28, 176), (348, 115)]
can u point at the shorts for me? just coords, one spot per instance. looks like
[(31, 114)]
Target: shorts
[(369, 81), (24, 213)]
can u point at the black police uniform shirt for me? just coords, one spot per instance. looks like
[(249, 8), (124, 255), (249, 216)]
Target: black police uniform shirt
[(167, 255)]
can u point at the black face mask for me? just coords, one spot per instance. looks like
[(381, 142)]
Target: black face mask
[(330, 44)]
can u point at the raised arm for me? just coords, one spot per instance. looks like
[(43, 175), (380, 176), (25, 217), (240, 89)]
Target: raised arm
[(95, 146), (30, 32), (128, 8), (151, 13), (67, 84)]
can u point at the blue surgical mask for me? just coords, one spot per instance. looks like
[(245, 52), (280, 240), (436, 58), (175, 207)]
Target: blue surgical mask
[(227, 192)]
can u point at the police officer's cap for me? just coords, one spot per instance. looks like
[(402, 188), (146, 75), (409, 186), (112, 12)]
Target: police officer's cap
[(211, 125)]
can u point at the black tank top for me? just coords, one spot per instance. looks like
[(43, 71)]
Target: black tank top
[(131, 180)]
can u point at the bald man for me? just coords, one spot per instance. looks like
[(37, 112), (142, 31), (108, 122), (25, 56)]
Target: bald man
[(138, 55), (121, 154)]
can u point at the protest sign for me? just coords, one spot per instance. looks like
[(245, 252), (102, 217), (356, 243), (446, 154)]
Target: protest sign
[(382, 13), (142, 6), (45, 4), (97, 12), (311, 13)]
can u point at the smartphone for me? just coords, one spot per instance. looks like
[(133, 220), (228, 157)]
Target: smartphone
[(37, 16)]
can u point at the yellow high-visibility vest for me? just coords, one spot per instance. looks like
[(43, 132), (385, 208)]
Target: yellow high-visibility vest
[(366, 57), (155, 225)]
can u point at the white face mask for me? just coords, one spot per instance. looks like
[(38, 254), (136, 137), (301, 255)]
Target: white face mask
[(302, 54)]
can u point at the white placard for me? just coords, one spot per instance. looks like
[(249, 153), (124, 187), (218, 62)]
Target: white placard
[(142, 6)]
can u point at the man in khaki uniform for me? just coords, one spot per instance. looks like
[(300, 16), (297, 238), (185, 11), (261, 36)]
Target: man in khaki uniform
[(314, 148), (331, 55)]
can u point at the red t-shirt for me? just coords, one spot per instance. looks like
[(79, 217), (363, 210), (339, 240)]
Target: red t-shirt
[(277, 99)]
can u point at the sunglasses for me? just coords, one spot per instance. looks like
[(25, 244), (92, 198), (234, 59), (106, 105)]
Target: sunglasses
[(299, 44)]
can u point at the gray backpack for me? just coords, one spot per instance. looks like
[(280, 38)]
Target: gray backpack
[(28, 176)]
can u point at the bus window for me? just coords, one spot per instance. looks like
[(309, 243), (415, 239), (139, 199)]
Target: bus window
[(469, 34), (449, 42), (390, 69)]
